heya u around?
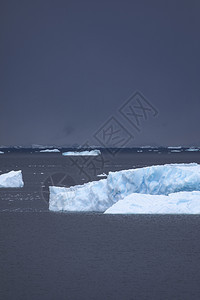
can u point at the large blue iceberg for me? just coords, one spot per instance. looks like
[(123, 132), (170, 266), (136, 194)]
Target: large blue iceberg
[(155, 180)]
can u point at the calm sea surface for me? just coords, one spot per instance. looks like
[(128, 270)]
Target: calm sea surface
[(46, 255)]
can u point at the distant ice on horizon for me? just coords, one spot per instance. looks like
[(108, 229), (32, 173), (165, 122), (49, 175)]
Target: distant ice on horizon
[(82, 153), (175, 147), (50, 150)]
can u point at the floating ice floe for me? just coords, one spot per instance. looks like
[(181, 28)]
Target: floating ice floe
[(50, 150), (82, 153), (12, 179), (102, 194), (1, 152), (176, 203)]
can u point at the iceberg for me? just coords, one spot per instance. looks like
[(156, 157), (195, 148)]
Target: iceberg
[(1, 152), (102, 194), (12, 179), (82, 153), (50, 150), (176, 203)]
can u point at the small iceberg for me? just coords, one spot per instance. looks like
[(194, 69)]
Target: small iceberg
[(1, 152), (49, 150), (12, 179), (82, 153)]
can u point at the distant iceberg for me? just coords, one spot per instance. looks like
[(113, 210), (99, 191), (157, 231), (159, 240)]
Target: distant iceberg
[(82, 153), (12, 179), (1, 152), (192, 149), (50, 150), (102, 194), (102, 175), (175, 147), (176, 203), (176, 151)]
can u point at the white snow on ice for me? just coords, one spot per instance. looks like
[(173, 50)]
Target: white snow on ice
[(12, 179), (176, 203), (100, 195), (50, 150), (82, 153)]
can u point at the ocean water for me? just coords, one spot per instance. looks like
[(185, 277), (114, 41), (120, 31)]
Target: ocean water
[(45, 255)]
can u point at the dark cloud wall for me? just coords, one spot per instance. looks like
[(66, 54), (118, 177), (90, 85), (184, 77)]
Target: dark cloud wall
[(68, 66)]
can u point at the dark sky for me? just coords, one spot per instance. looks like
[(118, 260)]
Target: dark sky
[(66, 68)]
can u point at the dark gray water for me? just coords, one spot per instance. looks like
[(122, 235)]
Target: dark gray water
[(46, 255)]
